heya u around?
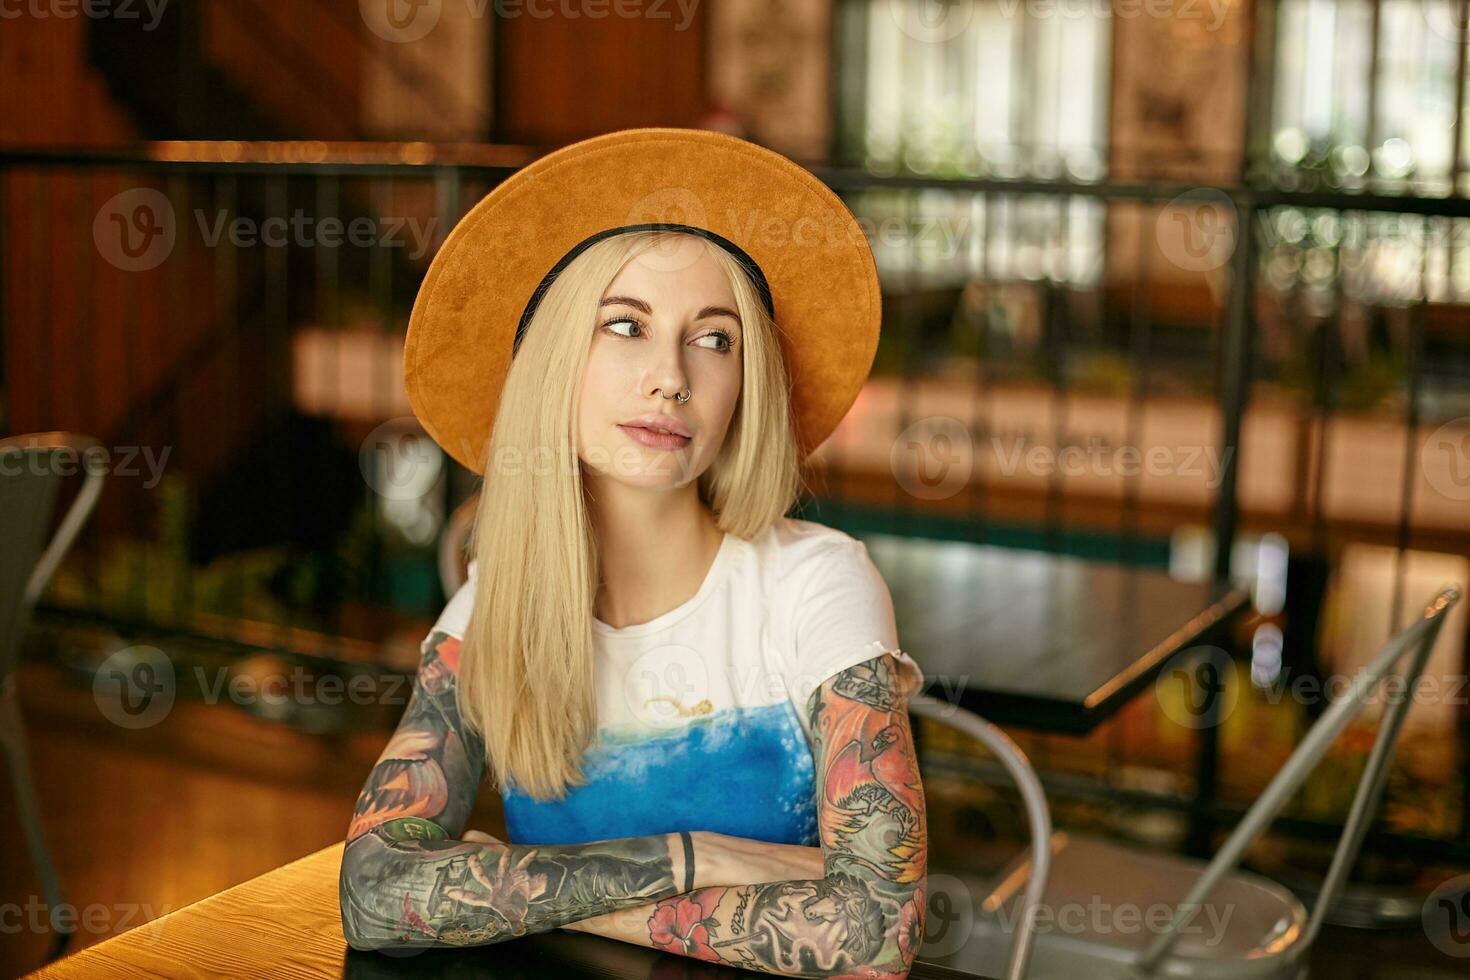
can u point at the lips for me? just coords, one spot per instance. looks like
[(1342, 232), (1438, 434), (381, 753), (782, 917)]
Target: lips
[(654, 440)]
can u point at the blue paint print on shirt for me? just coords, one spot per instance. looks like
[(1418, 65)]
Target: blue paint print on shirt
[(743, 771)]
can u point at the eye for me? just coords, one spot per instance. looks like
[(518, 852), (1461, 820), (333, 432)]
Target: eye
[(720, 335), (608, 325)]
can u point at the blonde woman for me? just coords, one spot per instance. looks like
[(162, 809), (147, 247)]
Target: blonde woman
[(692, 706)]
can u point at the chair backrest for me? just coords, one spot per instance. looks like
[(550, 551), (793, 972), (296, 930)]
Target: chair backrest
[(32, 468), (1038, 814), (452, 562), (1419, 639)]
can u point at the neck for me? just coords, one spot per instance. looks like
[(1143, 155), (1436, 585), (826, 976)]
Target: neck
[(656, 548)]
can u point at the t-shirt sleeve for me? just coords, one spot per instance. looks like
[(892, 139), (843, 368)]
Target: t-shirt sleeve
[(454, 618), (843, 616)]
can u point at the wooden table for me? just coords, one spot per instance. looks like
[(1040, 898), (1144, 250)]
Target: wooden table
[(1046, 642), (1050, 642), (286, 923)]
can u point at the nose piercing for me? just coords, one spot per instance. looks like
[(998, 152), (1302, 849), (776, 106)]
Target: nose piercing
[(681, 397)]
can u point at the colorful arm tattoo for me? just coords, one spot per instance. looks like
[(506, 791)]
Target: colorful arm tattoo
[(406, 880), (865, 916)]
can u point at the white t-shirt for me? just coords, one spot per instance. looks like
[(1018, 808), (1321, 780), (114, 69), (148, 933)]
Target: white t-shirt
[(702, 720)]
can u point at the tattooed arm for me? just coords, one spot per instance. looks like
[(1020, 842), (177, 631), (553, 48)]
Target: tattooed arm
[(407, 880), (865, 916)]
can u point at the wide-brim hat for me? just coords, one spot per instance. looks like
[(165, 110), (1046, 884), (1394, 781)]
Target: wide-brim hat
[(806, 252)]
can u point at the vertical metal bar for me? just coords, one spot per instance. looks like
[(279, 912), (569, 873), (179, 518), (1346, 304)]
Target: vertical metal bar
[(1462, 11), (277, 350), (914, 337), (1020, 88), (182, 332), (226, 306), (979, 484), (1417, 320), (1140, 335), (41, 249), (1235, 381), (380, 292), (328, 307), (7, 182), (86, 261), (1054, 347), (1375, 36), (1323, 406), (133, 359)]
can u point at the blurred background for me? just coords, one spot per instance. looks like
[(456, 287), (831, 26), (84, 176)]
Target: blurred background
[(1229, 238)]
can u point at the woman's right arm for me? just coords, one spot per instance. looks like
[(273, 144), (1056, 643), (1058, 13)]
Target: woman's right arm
[(407, 880)]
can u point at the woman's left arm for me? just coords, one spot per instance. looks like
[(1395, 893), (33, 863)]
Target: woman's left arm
[(865, 916)]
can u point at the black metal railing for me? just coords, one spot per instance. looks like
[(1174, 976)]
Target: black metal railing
[(261, 359)]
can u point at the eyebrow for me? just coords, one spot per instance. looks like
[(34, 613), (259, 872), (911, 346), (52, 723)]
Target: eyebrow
[(643, 307)]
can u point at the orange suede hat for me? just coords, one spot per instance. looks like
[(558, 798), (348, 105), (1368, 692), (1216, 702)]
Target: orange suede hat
[(804, 249)]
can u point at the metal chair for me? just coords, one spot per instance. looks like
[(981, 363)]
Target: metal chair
[(1038, 815), (30, 475), (1217, 922)]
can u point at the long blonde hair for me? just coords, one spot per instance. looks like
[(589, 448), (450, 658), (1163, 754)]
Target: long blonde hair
[(526, 672)]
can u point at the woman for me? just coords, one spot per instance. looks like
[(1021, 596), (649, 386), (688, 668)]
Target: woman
[(693, 707)]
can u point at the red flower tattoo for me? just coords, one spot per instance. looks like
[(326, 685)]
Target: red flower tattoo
[(682, 924), (911, 925)]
